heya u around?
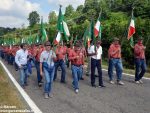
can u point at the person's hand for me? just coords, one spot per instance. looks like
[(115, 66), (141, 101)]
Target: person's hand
[(96, 53), (77, 57), (20, 66), (41, 73)]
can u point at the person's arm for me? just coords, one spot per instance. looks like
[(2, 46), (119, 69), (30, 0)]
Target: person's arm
[(41, 71), (41, 61), (72, 56), (54, 56), (91, 52), (17, 59)]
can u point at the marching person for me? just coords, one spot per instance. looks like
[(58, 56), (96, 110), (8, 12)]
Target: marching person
[(96, 58), (37, 53), (21, 59), (47, 66), (76, 56), (140, 61), (114, 56), (60, 54)]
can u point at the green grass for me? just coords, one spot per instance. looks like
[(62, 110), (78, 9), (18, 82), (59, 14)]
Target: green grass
[(8, 94)]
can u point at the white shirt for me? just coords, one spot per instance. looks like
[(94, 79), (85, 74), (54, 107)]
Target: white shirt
[(47, 57), (21, 57), (99, 52)]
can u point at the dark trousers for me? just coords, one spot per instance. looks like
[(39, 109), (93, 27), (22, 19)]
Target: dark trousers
[(37, 65), (60, 63), (96, 63), (140, 70)]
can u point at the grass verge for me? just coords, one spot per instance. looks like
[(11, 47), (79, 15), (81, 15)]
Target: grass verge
[(9, 96)]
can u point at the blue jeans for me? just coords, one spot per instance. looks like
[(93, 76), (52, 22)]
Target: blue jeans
[(60, 63), (37, 65), (16, 66), (117, 63), (29, 66), (76, 74), (23, 75), (140, 65), (96, 64), (2, 54), (12, 59), (49, 75)]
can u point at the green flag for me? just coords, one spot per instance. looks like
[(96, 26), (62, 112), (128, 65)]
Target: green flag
[(44, 37), (62, 25), (131, 42), (87, 37)]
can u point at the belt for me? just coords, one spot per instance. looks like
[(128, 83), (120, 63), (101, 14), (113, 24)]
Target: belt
[(77, 65), (23, 64), (115, 58), (140, 58)]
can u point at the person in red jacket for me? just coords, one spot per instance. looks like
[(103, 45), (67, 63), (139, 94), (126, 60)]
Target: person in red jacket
[(114, 56), (61, 52), (140, 61), (37, 53), (76, 56)]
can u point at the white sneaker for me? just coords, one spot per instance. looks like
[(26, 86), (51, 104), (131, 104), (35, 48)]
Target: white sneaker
[(76, 91), (111, 82), (120, 83), (46, 96), (50, 95), (141, 81), (137, 82)]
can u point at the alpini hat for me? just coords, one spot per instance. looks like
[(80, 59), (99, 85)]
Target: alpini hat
[(47, 43), (116, 39)]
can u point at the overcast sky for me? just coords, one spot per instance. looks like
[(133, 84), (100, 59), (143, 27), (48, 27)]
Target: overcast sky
[(14, 13)]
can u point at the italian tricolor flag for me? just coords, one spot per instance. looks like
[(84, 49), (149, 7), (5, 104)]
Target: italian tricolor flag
[(97, 28), (61, 27), (131, 29), (58, 38)]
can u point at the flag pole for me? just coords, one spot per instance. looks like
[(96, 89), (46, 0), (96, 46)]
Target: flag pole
[(126, 28), (100, 29)]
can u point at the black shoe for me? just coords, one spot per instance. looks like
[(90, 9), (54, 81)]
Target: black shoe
[(93, 85), (26, 84), (81, 78), (40, 84), (101, 86), (87, 74), (96, 75)]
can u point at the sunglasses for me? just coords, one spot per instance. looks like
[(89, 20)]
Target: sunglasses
[(47, 45)]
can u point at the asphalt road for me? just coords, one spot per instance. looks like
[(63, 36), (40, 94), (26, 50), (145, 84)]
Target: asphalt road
[(130, 98)]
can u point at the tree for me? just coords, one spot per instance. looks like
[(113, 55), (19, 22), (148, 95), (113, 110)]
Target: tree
[(34, 18), (69, 10), (52, 17), (79, 8)]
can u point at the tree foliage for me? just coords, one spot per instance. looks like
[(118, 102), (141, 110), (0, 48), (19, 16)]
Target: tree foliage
[(34, 18), (115, 18)]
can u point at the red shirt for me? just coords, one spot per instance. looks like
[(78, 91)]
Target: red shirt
[(14, 51), (114, 51), (139, 51), (76, 61), (61, 52), (38, 52)]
